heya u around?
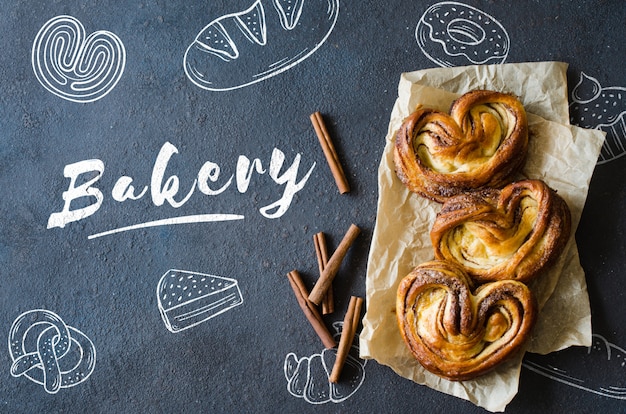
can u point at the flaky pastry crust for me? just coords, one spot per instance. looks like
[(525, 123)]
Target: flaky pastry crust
[(483, 142), (513, 233), (455, 332)]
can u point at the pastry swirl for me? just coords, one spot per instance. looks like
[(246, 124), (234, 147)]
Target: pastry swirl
[(513, 233), (482, 143), (456, 333)]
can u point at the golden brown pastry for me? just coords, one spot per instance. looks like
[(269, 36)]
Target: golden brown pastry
[(482, 143), (513, 233), (458, 333)]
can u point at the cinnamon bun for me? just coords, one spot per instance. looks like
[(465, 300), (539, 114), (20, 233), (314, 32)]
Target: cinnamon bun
[(513, 233), (483, 142), (459, 333)]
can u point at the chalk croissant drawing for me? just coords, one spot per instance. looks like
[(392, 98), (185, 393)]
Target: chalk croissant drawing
[(267, 38), (601, 108), (455, 34), (186, 299), (599, 369), (74, 66), (48, 352), (307, 377)]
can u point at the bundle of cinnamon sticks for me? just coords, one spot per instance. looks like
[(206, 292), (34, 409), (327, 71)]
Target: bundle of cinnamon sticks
[(322, 295)]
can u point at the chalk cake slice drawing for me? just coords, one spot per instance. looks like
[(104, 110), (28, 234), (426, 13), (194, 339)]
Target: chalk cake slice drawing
[(74, 66), (246, 47), (599, 369), (186, 299), (601, 108), (455, 34), (307, 377), (48, 352)]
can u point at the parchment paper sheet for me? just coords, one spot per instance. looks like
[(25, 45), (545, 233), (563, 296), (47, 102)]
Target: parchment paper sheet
[(562, 155)]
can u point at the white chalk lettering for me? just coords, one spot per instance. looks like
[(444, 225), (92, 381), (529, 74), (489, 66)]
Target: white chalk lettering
[(288, 178), (245, 170), (124, 190), (164, 188), (211, 171), (73, 171), (165, 192)]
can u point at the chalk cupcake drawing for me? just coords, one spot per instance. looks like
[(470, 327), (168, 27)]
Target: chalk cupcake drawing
[(48, 352), (74, 66), (307, 377), (454, 34), (599, 369), (601, 108), (269, 37), (186, 299)]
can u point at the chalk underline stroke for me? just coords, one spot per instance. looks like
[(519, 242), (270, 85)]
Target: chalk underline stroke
[(198, 218)]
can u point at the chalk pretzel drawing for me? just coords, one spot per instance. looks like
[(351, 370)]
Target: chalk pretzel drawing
[(267, 38), (186, 299), (48, 352), (455, 34), (600, 370), (74, 66), (307, 377), (601, 108)]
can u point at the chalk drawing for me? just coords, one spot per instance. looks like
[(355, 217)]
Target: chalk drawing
[(195, 218), (269, 37), (168, 189), (48, 352), (454, 34), (307, 377), (601, 108), (186, 299), (75, 66), (599, 369)]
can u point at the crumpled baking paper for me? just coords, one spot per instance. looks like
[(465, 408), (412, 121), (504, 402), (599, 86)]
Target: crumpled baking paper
[(562, 155)]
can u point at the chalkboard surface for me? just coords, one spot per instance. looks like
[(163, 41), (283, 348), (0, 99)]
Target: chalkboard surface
[(160, 178)]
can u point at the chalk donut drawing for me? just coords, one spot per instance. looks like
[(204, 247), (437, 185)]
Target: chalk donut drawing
[(600, 369), (75, 66), (269, 37), (601, 108), (307, 377), (454, 34), (48, 352), (186, 299)]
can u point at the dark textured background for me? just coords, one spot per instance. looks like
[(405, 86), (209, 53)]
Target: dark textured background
[(105, 287)]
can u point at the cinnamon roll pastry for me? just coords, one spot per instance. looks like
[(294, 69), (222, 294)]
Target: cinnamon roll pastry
[(455, 332), (513, 233), (482, 143)]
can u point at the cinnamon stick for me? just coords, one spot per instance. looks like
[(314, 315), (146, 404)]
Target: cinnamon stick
[(329, 152), (321, 251), (310, 311), (330, 271), (350, 324)]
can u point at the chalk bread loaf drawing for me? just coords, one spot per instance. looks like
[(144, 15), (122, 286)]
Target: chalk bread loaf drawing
[(269, 37), (76, 66), (601, 108), (599, 369), (48, 352), (186, 299), (455, 34), (307, 377)]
